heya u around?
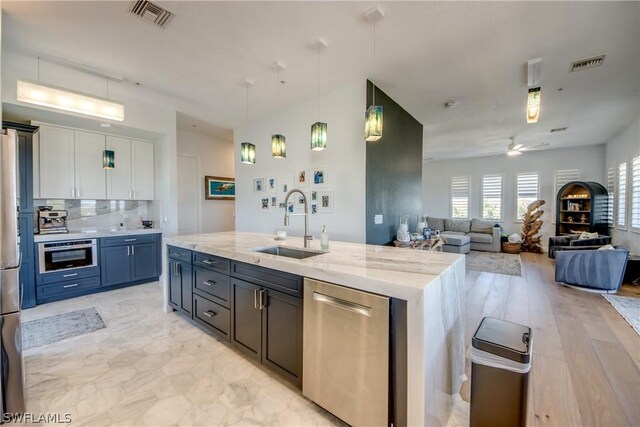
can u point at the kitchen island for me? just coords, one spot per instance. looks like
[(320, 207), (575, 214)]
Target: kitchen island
[(431, 284)]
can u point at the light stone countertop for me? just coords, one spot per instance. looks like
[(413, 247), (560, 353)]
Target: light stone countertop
[(395, 272), (93, 234)]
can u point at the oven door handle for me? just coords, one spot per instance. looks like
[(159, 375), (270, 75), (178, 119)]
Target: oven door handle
[(66, 248)]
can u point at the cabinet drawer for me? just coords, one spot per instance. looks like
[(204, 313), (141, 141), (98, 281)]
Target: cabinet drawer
[(211, 261), (215, 285), (63, 276), (179, 253), (128, 240), (211, 314), (67, 287), (283, 282)]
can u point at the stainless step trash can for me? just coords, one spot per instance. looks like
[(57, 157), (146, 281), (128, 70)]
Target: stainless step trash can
[(500, 365)]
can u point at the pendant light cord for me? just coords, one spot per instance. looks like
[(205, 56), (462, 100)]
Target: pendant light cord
[(38, 69), (374, 61), (318, 49), (247, 102)]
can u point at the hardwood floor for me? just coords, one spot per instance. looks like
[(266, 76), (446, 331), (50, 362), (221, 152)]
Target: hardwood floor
[(586, 357)]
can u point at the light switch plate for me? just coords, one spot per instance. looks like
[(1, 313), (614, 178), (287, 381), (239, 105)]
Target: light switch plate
[(377, 219)]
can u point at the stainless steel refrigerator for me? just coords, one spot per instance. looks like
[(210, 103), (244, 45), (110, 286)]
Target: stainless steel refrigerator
[(11, 380)]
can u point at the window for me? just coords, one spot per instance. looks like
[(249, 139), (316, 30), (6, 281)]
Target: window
[(611, 189), (635, 193), (492, 197), (460, 197), (527, 192), (622, 195)]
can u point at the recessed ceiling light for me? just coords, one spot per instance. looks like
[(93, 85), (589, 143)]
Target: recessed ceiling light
[(558, 130)]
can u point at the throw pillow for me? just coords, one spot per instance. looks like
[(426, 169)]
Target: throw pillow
[(606, 248), (435, 223), (460, 225), (587, 235), (480, 226)]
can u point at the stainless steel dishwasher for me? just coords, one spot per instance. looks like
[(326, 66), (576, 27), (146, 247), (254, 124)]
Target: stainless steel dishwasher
[(346, 352)]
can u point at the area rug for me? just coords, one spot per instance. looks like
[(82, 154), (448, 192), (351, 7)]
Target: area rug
[(39, 332), (494, 262), (628, 307)]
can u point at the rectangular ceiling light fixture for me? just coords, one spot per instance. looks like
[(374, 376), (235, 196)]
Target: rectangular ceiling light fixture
[(66, 100), (533, 96)]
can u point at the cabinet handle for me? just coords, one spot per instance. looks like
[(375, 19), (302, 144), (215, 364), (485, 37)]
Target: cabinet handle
[(73, 193), (128, 250), (255, 298), (209, 261), (129, 240), (209, 313), (179, 268), (69, 275), (77, 193), (261, 300), (70, 286), (209, 282), (133, 250)]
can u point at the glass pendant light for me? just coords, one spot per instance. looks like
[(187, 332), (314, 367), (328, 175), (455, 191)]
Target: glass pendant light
[(108, 159), (373, 116), (247, 149), (319, 129), (278, 141)]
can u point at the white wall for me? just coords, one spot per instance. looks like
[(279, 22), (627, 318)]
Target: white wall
[(436, 180), (344, 158), (213, 157), (139, 114), (623, 148)]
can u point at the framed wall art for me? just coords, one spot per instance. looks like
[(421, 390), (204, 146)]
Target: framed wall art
[(219, 188)]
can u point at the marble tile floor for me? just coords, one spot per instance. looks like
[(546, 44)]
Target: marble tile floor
[(148, 368)]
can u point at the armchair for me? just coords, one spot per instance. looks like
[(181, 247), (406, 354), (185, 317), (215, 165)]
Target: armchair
[(573, 243), (600, 271)]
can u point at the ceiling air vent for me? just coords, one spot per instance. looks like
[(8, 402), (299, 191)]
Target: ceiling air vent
[(151, 12), (583, 64), (558, 130)]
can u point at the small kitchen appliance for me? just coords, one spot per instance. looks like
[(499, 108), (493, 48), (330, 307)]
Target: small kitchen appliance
[(52, 221)]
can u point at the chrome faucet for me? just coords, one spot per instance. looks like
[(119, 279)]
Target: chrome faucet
[(307, 237)]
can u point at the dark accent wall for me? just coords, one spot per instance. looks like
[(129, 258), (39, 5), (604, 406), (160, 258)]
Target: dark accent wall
[(394, 170)]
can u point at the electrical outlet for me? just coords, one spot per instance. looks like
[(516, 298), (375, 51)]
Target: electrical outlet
[(377, 219)]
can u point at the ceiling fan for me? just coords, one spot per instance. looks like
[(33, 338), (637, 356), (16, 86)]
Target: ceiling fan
[(517, 149)]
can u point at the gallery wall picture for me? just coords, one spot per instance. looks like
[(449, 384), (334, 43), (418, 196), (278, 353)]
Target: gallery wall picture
[(325, 201), (219, 188), (272, 186), (318, 177), (265, 204), (301, 178), (259, 185), (285, 184)]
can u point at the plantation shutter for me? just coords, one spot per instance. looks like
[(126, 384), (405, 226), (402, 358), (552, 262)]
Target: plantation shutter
[(611, 189), (460, 197), (622, 195), (635, 193), (527, 192), (492, 197), (562, 177)]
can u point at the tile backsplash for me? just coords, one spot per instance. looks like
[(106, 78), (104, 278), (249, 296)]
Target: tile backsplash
[(101, 214)]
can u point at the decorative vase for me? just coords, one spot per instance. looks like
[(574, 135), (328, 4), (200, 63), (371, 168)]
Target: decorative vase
[(422, 223), (403, 234)]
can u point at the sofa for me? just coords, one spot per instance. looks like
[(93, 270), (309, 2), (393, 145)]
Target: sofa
[(574, 243), (482, 235), (594, 270)]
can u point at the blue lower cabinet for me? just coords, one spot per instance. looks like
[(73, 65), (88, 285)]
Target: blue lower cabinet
[(71, 287), (180, 290), (133, 259)]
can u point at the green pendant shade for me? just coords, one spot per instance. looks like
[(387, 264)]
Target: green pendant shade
[(108, 159), (278, 146), (318, 136), (248, 153), (373, 123)]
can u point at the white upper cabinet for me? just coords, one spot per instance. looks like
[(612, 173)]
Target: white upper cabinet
[(142, 170), (68, 165), (90, 175), (119, 178), (57, 158)]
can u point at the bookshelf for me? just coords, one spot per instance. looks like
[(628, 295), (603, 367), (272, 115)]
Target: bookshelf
[(581, 206)]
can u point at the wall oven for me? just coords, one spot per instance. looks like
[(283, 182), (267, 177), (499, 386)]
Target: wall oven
[(67, 255)]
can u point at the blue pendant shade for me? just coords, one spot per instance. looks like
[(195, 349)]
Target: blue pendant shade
[(373, 123), (248, 153), (278, 146), (318, 136), (108, 159)]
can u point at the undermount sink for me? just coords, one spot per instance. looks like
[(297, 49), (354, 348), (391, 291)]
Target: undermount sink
[(289, 252)]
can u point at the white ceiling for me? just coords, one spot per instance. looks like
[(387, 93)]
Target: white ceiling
[(427, 53)]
